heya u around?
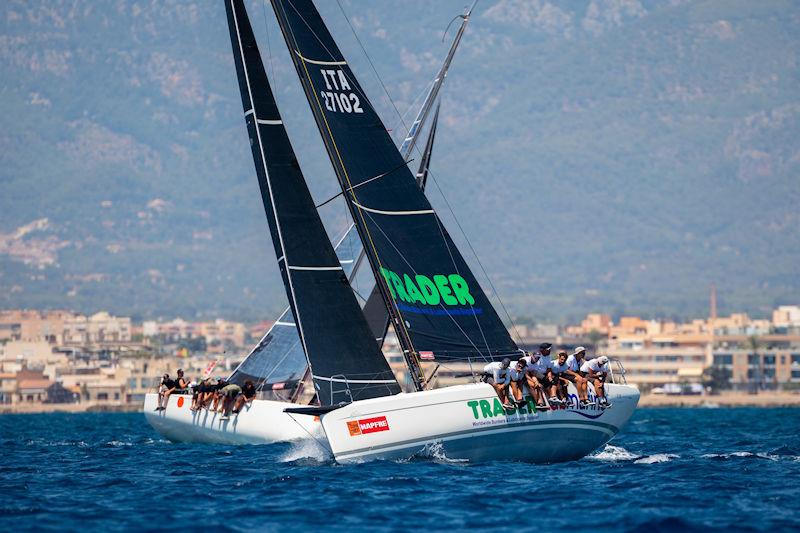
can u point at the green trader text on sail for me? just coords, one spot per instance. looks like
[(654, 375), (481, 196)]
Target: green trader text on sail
[(448, 290)]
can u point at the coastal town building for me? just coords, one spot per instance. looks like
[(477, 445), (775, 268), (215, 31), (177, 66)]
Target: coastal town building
[(93, 362)]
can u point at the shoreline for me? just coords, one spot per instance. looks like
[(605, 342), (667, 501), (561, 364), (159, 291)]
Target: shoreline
[(725, 399)]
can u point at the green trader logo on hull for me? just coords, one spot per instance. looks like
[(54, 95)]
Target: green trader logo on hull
[(487, 409), (448, 290)]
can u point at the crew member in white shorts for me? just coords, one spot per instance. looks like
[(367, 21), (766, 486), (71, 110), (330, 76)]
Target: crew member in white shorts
[(574, 374), (596, 371)]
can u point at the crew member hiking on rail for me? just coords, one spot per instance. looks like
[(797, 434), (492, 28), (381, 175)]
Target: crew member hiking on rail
[(247, 396), (536, 369), (574, 374), (596, 371), (165, 388), (517, 376), (558, 367), (498, 376)]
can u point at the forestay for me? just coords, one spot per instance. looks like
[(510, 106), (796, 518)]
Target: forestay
[(346, 363), (435, 301)]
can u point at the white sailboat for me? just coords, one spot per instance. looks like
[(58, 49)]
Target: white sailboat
[(279, 363), (436, 306)]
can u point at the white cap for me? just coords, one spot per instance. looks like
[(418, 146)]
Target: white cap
[(578, 350), (603, 359)]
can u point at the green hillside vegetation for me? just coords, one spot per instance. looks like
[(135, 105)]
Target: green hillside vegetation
[(603, 155)]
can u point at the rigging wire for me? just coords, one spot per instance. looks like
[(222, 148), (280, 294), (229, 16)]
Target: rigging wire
[(477, 258), (269, 46)]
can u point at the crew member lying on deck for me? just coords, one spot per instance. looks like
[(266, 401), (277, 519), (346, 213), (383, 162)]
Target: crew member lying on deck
[(596, 371), (498, 376)]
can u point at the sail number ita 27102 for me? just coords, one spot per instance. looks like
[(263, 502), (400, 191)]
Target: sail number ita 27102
[(336, 99)]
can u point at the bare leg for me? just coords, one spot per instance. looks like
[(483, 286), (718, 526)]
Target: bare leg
[(238, 403), (166, 398), (582, 387), (599, 389), (501, 392), (516, 390)]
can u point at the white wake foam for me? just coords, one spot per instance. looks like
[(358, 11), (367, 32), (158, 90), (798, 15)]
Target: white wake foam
[(656, 458), (435, 451), (740, 455), (613, 453), (305, 449)]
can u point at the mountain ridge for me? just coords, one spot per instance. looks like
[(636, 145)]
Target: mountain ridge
[(627, 153)]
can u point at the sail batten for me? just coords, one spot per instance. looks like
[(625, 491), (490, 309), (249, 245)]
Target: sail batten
[(332, 330)]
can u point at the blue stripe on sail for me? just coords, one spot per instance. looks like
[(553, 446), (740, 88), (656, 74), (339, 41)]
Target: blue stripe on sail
[(440, 312)]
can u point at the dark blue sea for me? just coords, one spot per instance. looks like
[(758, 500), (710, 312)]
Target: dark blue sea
[(669, 470)]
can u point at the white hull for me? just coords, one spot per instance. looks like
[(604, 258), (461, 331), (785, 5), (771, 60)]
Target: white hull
[(465, 422), (263, 422)]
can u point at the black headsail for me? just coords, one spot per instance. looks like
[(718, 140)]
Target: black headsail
[(344, 359), (434, 300)]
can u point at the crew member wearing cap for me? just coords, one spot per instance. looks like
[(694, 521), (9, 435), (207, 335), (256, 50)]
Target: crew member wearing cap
[(596, 371), (536, 370), (574, 374), (498, 376)]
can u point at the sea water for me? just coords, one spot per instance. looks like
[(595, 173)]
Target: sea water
[(669, 469)]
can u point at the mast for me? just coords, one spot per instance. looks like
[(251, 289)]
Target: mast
[(345, 362), (425, 164), (413, 133)]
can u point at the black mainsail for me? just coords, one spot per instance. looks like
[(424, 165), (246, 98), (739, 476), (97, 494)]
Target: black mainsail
[(435, 302), (375, 308), (346, 363)]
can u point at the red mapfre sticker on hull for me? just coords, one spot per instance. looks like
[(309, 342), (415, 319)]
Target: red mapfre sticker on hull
[(368, 425)]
